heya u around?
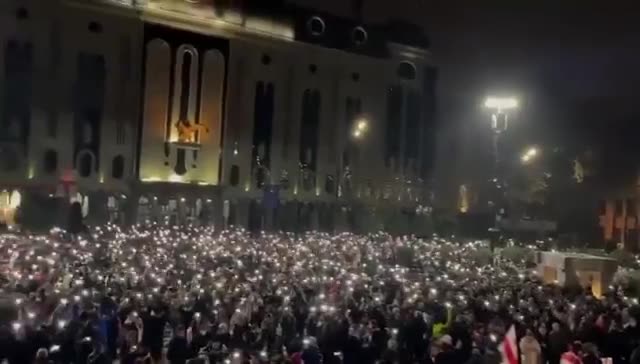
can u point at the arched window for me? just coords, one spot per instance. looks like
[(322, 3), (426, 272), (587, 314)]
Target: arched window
[(412, 126), (394, 120), (309, 125), (85, 164), (261, 177), (50, 161), (262, 126), (17, 86), (284, 180), (308, 179), (406, 71), (234, 177), (87, 133), (368, 191), (117, 167), (329, 184)]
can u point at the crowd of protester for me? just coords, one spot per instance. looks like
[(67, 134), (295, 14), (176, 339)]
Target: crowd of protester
[(174, 295)]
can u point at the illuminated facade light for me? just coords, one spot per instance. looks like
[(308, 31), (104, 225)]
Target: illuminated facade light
[(15, 200), (501, 103), (152, 179), (529, 155), (463, 199)]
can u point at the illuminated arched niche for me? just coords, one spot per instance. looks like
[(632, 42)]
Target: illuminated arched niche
[(185, 86)]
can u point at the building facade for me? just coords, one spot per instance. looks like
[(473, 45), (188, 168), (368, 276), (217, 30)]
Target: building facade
[(257, 113)]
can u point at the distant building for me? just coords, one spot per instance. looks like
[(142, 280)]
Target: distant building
[(619, 221), (258, 113)]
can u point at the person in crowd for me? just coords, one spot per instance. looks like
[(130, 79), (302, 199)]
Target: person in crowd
[(530, 350), (475, 357), (616, 345), (543, 340), (447, 353), (42, 356), (178, 351), (635, 355), (572, 355), (590, 354), (558, 343), (311, 353)]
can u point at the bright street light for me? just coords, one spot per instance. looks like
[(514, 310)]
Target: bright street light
[(360, 128), (529, 154), (532, 152), (501, 103), (500, 107)]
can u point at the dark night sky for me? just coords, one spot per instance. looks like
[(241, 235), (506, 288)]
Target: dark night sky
[(576, 67)]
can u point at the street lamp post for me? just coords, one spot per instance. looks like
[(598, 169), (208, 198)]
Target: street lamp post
[(357, 134), (500, 107)]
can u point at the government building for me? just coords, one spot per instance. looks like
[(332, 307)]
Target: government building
[(258, 113)]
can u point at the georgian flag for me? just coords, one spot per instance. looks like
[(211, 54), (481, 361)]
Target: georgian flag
[(509, 348)]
